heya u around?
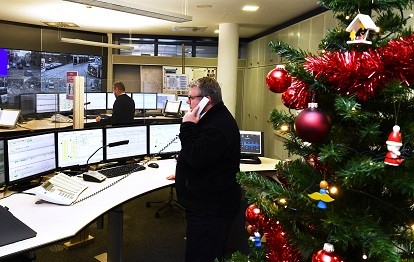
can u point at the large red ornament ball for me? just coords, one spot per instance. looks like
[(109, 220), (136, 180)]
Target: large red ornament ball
[(312, 125), (327, 254), (278, 80)]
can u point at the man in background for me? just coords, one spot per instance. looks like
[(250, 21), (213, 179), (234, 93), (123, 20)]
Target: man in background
[(206, 172), (123, 109)]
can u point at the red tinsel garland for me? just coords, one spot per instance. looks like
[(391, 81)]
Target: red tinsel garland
[(365, 73)]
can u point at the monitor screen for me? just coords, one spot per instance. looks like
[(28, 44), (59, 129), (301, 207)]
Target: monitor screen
[(30, 156), (137, 146), (162, 99), (46, 103), (184, 105), (145, 101), (27, 104), (2, 169), (172, 107), (251, 143), (110, 100), (161, 139), (9, 117), (95, 101), (74, 147), (65, 104)]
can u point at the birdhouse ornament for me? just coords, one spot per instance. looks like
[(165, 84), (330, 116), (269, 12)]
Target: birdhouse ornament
[(360, 28), (394, 143)]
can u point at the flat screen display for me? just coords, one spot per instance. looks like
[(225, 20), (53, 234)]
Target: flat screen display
[(27, 104), (137, 146), (30, 156), (95, 101), (9, 117), (110, 100), (46, 103), (145, 101), (2, 169), (65, 104), (251, 143), (74, 147), (184, 105), (162, 99), (163, 139), (172, 107)]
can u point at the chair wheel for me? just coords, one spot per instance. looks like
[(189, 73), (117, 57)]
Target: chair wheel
[(157, 215), (148, 204)]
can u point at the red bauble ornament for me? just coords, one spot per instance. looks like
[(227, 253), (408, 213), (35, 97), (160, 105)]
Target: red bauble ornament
[(327, 254), (278, 79), (297, 96), (255, 217), (312, 125)]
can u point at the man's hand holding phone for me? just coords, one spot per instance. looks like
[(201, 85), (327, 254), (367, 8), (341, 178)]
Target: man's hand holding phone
[(194, 115)]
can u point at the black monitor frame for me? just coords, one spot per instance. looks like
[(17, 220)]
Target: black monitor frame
[(32, 176), (169, 105), (164, 148), (128, 153), (251, 155), (145, 107), (3, 176), (91, 149)]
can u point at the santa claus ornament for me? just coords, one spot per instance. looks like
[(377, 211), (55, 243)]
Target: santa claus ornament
[(394, 143), (278, 79), (327, 254)]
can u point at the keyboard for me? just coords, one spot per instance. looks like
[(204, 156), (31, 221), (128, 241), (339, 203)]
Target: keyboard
[(121, 170)]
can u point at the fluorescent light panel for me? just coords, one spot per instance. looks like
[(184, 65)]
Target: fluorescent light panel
[(250, 8), (134, 9), (92, 43)]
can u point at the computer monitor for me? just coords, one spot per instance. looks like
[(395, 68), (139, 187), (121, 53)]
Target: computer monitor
[(9, 117), (172, 108), (30, 157), (95, 101), (46, 103), (251, 146), (184, 105), (2, 168), (163, 139), (27, 104), (65, 104), (137, 146), (162, 99), (145, 101), (110, 100), (75, 147)]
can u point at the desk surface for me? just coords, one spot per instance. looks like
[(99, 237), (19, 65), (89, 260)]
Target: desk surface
[(56, 223)]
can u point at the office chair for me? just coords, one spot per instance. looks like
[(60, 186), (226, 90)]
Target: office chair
[(171, 202)]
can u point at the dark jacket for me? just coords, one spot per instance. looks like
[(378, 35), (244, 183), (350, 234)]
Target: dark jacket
[(123, 111), (208, 163)]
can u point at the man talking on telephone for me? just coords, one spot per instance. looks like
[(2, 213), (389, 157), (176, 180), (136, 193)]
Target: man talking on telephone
[(206, 172)]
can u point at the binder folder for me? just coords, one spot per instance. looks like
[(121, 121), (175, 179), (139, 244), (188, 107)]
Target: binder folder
[(12, 229)]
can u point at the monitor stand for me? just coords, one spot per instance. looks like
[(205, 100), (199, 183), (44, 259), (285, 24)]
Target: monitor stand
[(250, 160)]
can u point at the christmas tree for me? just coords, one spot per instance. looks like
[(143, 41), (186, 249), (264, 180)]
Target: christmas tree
[(350, 119)]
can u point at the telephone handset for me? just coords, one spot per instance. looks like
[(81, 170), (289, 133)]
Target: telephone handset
[(202, 104)]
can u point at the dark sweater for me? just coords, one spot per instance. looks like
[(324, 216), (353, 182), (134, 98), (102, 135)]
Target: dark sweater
[(123, 111), (208, 163)]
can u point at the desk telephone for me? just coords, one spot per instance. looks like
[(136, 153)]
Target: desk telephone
[(60, 189), (60, 118)]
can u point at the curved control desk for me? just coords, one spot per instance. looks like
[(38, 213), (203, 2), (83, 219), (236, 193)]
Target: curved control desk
[(55, 223)]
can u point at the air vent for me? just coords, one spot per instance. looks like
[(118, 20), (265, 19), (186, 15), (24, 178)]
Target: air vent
[(190, 28), (60, 24)]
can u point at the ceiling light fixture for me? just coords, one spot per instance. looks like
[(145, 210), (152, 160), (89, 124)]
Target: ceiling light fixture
[(250, 8), (92, 43), (134, 9)]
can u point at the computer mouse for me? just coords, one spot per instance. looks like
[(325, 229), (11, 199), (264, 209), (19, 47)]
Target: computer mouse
[(153, 165)]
